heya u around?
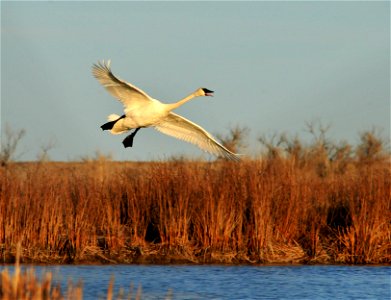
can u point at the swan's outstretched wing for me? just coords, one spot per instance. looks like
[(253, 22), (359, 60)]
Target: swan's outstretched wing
[(126, 93), (181, 128)]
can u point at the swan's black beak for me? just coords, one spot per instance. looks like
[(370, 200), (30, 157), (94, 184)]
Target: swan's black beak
[(208, 92)]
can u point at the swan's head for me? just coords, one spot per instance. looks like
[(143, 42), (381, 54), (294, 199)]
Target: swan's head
[(203, 92)]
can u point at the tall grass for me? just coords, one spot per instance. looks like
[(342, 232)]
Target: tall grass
[(26, 285), (299, 204)]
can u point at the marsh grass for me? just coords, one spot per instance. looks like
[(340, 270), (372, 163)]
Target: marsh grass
[(297, 204), (26, 285)]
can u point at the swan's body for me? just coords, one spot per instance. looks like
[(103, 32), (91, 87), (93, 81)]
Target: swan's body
[(141, 110)]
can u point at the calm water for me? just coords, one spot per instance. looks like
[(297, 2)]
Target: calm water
[(233, 282)]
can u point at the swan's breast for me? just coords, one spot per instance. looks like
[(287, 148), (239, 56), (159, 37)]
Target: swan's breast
[(146, 114)]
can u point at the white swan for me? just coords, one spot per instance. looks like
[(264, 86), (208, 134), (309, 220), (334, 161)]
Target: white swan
[(143, 111)]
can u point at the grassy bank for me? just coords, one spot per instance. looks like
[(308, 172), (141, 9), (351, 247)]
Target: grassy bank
[(280, 209)]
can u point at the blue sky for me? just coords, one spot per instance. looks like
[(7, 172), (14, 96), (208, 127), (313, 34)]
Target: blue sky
[(273, 66)]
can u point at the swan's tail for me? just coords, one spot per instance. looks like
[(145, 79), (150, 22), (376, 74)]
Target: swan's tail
[(113, 118)]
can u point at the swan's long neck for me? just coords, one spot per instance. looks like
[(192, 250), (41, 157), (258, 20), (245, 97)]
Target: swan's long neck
[(172, 106)]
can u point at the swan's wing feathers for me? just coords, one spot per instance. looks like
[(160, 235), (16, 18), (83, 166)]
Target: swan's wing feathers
[(123, 91), (181, 128)]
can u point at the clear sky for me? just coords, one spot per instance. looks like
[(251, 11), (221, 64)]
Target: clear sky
[(273, 66)]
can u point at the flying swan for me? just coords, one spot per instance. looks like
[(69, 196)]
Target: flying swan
[(141, 111)]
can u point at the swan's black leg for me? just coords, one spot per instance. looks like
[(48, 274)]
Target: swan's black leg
[(128, 141), (109, 125)]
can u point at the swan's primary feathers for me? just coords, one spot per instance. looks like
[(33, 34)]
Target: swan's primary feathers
[(124, 92), (181, 128), (141, 110)]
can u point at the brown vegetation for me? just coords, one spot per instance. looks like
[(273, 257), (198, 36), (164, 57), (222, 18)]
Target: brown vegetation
[(26, 285), (320, 203)]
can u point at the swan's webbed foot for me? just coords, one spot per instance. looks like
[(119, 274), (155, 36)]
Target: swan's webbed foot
[(128, 141), (108, 125)]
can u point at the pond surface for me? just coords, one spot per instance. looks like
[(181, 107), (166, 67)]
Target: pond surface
[(230, 282)]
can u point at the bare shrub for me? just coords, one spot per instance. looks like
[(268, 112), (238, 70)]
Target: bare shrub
[(372, 147), (235, 140), (273, 145), (43, 155), (9, 144)]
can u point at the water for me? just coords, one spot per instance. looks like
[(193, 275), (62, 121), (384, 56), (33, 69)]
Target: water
[(232, 282)]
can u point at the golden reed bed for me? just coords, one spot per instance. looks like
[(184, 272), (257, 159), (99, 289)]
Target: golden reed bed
[(273, 210)]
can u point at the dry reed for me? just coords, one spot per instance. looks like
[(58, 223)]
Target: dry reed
[(301, 207), (26, 285)]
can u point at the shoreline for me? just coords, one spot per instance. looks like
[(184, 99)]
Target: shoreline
[(221, 259)]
